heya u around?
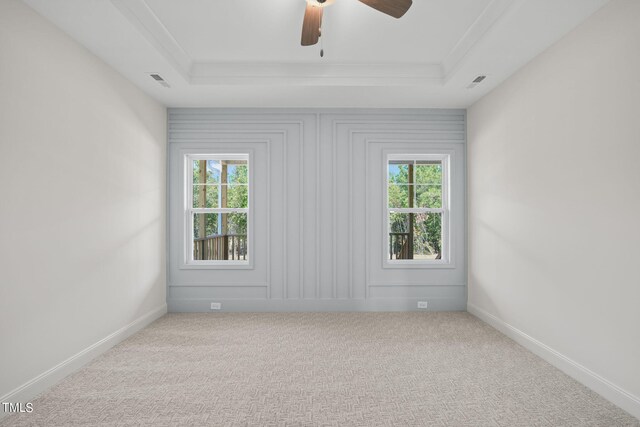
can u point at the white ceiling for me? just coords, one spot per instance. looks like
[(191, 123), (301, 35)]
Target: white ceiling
[(247, 53)]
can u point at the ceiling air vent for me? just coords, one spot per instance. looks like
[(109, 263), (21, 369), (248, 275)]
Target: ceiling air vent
[(157, 77), (476, 82)]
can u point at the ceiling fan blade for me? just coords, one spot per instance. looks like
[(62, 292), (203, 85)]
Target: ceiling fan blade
[(395, 8), (311, 25)]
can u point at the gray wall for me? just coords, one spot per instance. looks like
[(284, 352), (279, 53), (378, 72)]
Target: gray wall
[(82, 208), (554, 204), (318, 209)]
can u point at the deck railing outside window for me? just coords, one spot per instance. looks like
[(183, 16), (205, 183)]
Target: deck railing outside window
[(221, 247)]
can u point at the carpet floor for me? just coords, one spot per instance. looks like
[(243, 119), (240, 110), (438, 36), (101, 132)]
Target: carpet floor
[(320, 369)]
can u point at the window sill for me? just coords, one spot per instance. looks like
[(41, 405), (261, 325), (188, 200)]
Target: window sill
[(409, 264), (217, 266)]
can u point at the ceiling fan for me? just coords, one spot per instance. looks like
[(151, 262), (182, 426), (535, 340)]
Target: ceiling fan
[(313, 15)]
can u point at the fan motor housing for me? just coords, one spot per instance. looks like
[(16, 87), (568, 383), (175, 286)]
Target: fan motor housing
[(321, 3)]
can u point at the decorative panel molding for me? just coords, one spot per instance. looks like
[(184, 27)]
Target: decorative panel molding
[(316, 242)]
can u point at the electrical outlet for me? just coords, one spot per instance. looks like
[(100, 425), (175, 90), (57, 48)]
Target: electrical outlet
[(216, 306), (422, 304)]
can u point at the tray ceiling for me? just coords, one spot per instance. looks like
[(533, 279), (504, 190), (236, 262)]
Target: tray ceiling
[(248, 54)]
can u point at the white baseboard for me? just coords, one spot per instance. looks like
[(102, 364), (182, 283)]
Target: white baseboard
[(582, 374), (42, 382), (203, 305)]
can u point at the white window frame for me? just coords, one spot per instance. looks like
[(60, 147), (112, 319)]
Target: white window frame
[(445, 210), (189, 211)]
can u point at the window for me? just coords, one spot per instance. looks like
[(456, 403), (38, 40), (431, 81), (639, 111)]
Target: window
[(417, 211), (217, 209)]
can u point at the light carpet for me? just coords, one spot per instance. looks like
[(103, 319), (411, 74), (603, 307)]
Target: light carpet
[(320, 369)]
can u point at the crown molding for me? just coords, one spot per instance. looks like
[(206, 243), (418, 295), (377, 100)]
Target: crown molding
[(485, 21), (140, 14), (315, 74)]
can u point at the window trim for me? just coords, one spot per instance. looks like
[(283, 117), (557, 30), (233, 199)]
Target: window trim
[(187, 261), (446, 260)]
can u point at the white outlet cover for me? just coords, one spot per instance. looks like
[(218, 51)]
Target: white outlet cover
[(422, 304), (216, 306)]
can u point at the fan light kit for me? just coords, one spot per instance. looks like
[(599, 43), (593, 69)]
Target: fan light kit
[(312, 22)]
